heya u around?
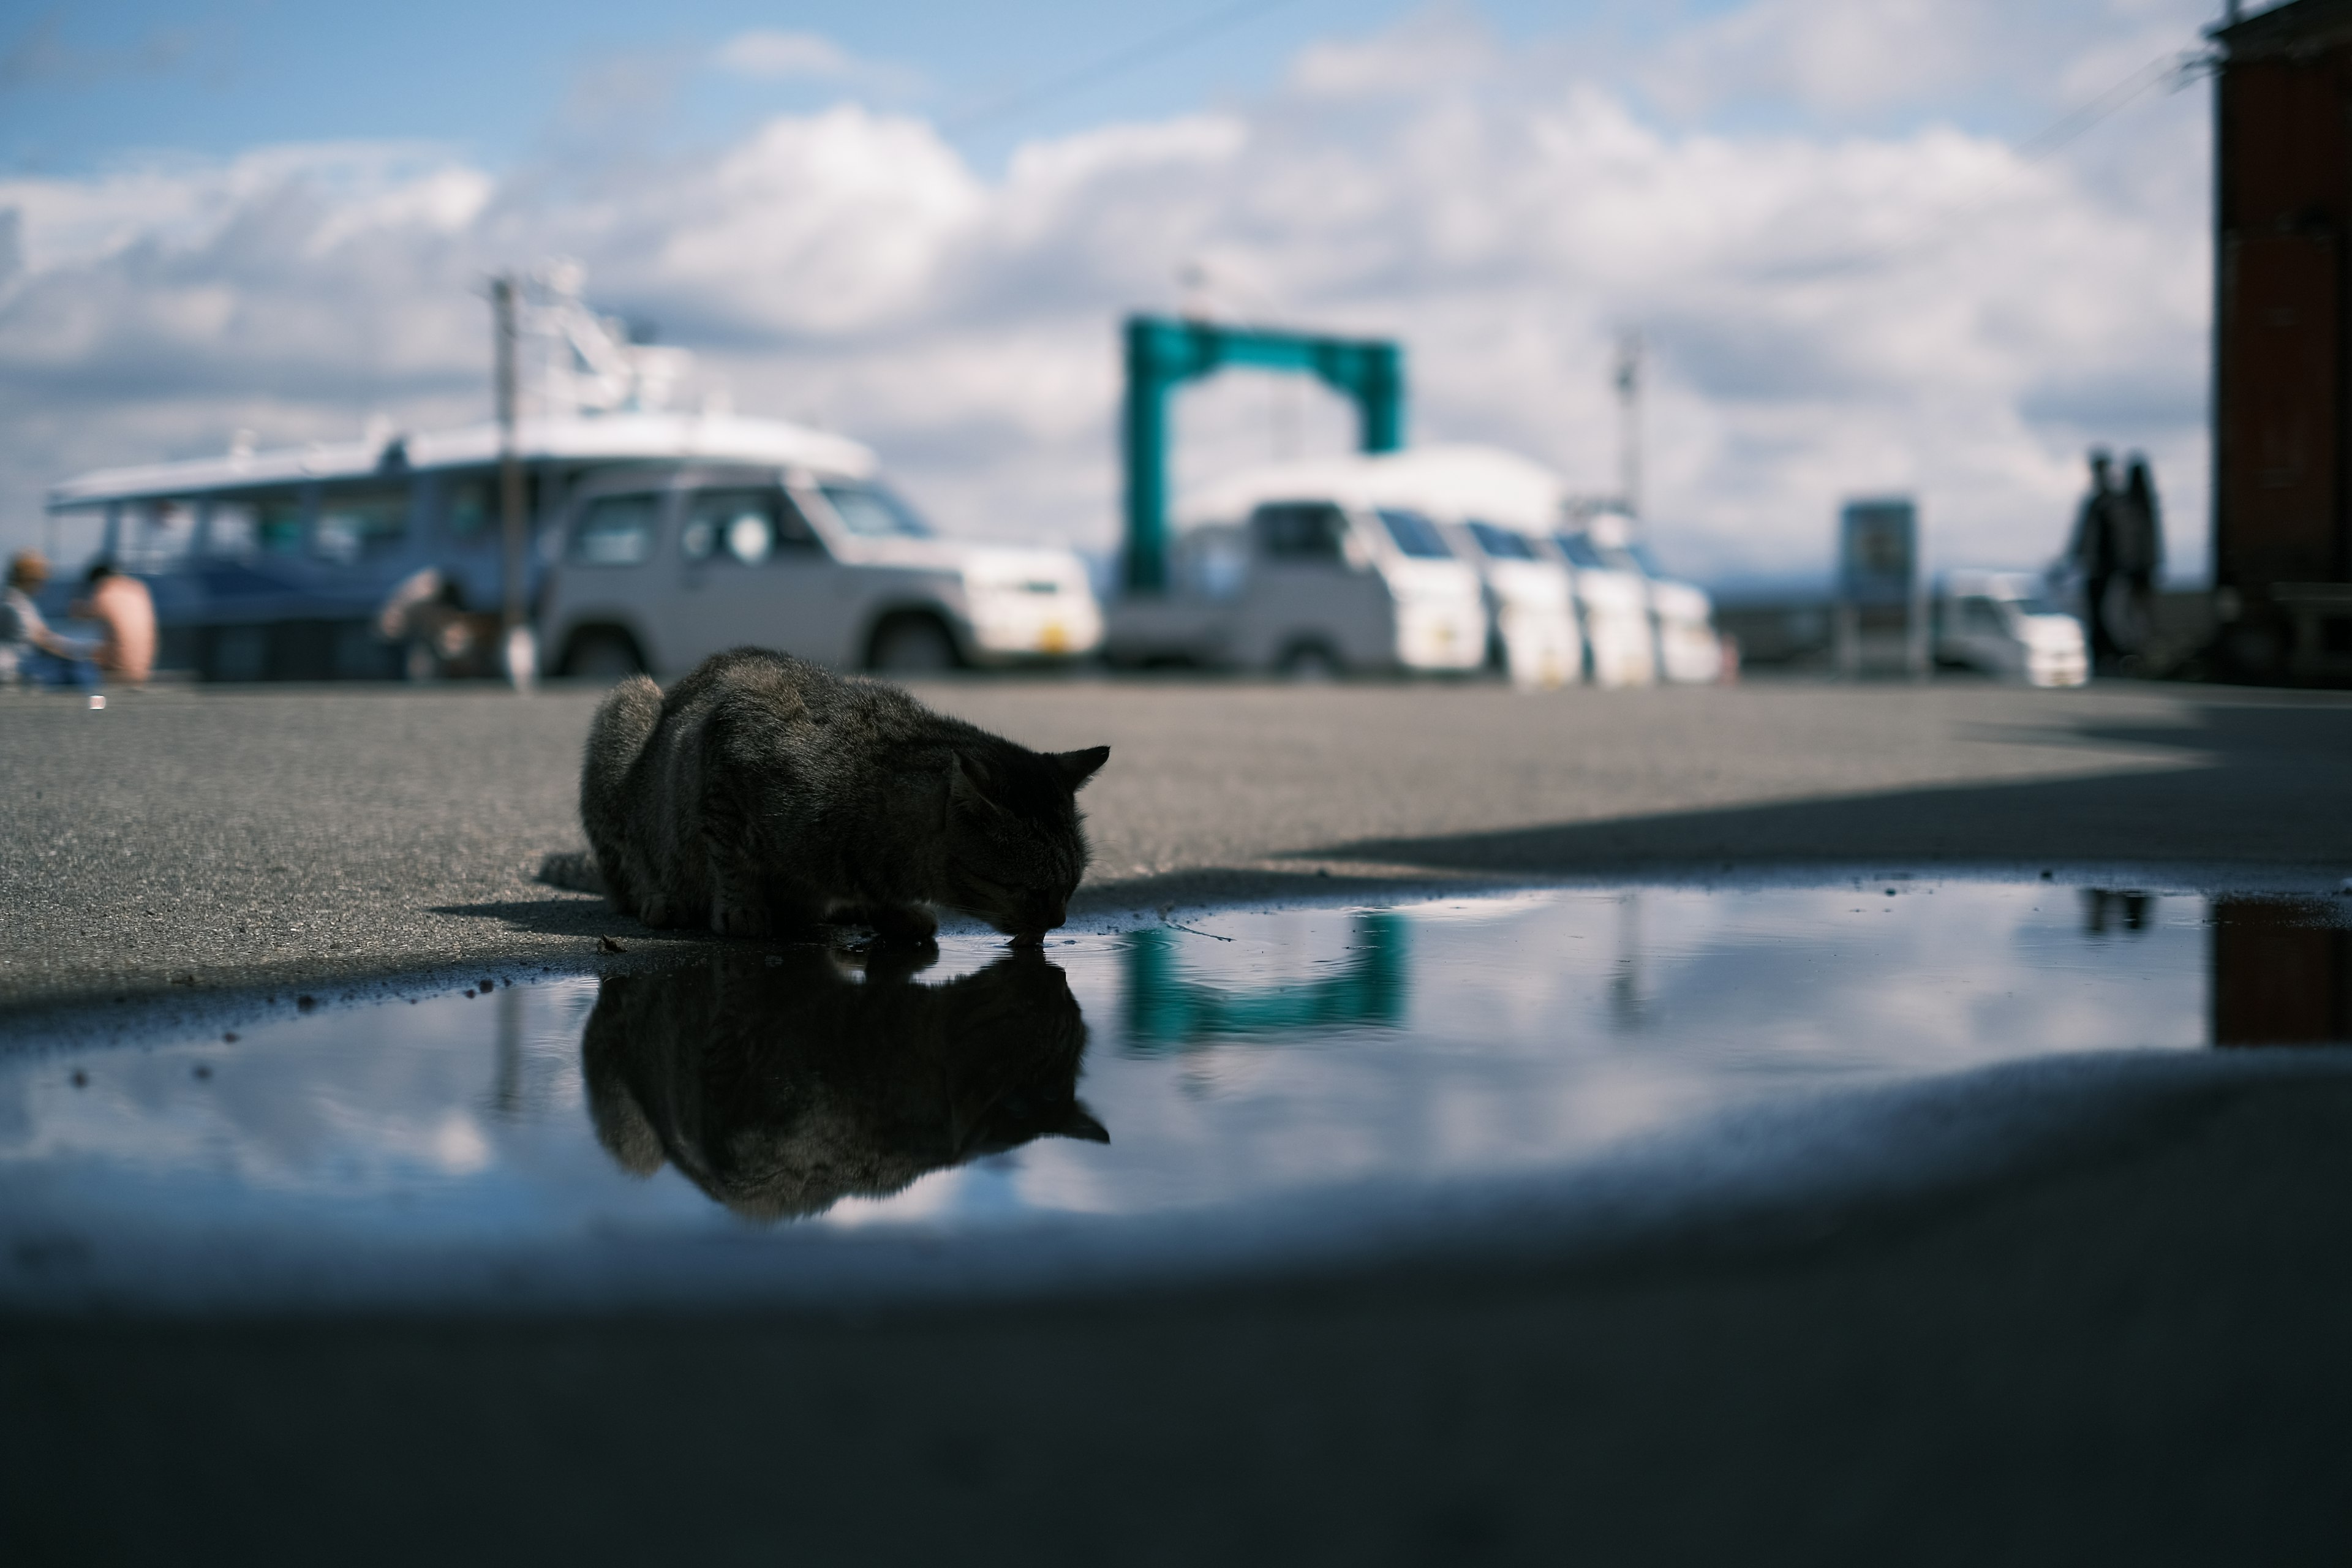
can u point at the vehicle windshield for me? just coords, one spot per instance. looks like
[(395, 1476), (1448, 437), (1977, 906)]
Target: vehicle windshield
[(1414, 534), (1643, 561), (2033, 605), (1501, 544), (1580, 551), (870, 512)]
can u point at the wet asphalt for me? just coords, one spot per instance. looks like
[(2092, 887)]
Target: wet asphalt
[(190, 841)]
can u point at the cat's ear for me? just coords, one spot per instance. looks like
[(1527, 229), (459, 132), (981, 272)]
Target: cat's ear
[(1077, 767), (965, 789), (1080, 1123)]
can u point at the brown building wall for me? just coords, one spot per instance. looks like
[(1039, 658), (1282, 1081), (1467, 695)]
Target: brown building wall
[(2284, 206)]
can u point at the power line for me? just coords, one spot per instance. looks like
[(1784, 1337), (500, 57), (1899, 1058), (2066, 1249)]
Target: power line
[(2178, 67), (1175, 38)]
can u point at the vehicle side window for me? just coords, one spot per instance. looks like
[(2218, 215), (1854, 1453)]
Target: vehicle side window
[(358, 522), (874, 511), (1300, 530), (616, 531), (157, 535), (472, 507), (1580, 551), (747, 526), (277, 526), (468, 507), (1501, 544), (1979, 614), (232, 532), (1414, 534)]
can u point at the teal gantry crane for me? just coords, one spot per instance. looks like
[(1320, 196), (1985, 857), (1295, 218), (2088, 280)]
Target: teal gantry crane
[(1163, 353)]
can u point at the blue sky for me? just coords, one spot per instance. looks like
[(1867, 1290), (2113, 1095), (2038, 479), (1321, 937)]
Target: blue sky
[(1855, 268), (101, 80)]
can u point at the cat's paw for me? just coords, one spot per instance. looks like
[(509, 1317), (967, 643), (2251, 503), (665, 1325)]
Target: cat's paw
[(658, 913)]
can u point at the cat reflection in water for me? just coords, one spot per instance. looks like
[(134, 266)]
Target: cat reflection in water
[(765, 797), (781, 1083)]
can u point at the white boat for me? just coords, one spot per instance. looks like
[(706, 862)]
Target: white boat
[(657, 536)]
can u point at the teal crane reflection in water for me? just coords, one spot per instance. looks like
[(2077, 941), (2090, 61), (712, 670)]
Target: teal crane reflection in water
[(1171, 1005)]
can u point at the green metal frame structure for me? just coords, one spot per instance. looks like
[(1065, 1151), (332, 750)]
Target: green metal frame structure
[(1162, 354)]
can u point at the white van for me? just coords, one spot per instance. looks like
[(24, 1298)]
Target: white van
[(1999, 623), (1530, 605), (1682, 617), (1302, 569), (657, 566), (1613, 610)]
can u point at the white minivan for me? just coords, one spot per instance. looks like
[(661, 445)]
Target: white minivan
[(1682, 617), (1530, 607), (1612, 607), (1302, 569), (1999, 623), (657, 566)]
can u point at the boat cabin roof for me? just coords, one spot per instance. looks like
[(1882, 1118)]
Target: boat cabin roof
[(603, 438)]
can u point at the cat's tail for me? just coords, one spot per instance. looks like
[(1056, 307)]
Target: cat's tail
[(572, 868)]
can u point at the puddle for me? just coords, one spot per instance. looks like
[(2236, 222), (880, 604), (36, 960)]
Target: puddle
[(1204, 1070)]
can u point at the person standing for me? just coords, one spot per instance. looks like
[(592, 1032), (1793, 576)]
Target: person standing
[(2138, 549), (121, 606), (2092, 553)]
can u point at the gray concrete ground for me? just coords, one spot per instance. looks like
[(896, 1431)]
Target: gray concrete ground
[(187, 841), (2122, 1339)]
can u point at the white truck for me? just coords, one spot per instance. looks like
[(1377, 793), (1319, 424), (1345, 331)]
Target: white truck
[(1306, 569), (1999, 623)]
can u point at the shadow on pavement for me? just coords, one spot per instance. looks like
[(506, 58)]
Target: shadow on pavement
[(556, 914), (2279, 776)]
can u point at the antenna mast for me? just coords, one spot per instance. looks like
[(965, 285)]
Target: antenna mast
[(503, 306), (1628, 422)]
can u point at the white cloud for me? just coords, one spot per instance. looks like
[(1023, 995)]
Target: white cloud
[(1829, 310), (775, 56)]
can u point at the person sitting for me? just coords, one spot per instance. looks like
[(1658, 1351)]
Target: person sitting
[(123, 606), (30, 652)]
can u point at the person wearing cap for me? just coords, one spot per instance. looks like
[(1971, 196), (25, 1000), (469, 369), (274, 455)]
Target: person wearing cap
[(25, 635)]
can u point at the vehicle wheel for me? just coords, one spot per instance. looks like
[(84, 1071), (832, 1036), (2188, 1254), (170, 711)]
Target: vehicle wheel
[(1310, 661), (912, 645), (607, 657)]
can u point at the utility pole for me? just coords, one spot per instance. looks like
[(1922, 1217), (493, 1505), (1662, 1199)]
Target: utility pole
[(1628, 422), (519, 659)]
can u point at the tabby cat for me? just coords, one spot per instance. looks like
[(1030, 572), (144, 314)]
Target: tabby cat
[(765, 797)]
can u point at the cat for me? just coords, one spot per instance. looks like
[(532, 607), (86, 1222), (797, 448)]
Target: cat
[(779, 1085), (766, 796)]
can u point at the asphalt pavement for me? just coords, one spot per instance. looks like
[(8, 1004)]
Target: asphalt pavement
[(191, 841), (2113, 1330)]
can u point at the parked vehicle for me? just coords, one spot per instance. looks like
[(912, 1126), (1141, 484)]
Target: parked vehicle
[(1300, 569), (1999, 623), (1530, 608), (657, 566), (1612, 609), (656, 537), (1682, 617)]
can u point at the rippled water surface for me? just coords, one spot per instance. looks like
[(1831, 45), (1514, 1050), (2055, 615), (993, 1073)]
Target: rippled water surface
[(1178, 1068)]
